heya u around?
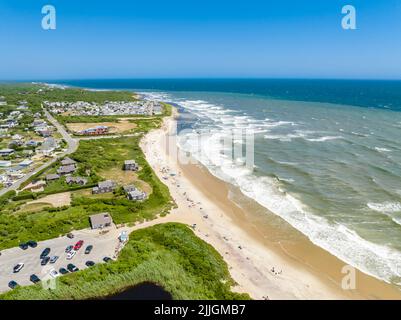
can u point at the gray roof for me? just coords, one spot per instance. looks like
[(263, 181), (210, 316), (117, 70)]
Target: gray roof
[(106, 184), (137, 194), (76, 180), (100, 219), (52, 176), (66, 169), (67, 161), (129, 162)]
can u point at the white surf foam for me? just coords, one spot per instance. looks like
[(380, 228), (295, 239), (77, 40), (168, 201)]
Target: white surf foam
[(376, 260)]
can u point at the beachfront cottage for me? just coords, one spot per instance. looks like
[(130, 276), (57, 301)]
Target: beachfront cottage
[(104, 187), (100, 220), (76, 180), (67, 162), (63, 170), (136, 195), (130, 165)]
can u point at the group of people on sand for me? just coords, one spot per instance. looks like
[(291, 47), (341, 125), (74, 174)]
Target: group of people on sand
[(276, 272)]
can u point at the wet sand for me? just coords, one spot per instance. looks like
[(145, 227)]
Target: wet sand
[(267, 257)]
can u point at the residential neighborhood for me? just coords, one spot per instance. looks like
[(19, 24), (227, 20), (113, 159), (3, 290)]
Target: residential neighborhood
[(82, 108), (73, 179), (27, 140)]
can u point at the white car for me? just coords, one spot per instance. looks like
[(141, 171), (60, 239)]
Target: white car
[(71, 254), (18, 267), (53, 273)]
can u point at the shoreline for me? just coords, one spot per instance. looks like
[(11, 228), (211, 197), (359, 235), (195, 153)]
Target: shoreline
[(267, 257)]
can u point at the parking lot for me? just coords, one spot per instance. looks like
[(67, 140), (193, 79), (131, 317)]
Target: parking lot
[(104, 244)]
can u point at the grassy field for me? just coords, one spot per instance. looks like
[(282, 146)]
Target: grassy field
[(167, 254)]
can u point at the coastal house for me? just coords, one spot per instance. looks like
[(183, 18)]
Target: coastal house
[(39, 122), (98, 130), (25, 163), (6, 152), (63, 170), (31, 143), (15, 143), (134, 194), (130, 165), (52, 177), (67, 161), (11, 123), (100, 220), (44, 132), (76, 180), (48, 146), (104, 187)]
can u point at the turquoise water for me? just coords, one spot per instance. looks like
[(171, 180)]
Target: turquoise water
[(333, 171)]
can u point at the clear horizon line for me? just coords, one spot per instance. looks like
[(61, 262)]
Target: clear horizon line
[(199, 78)]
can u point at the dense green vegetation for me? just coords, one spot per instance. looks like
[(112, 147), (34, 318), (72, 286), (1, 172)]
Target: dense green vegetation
[(93, 156), (167, 254)]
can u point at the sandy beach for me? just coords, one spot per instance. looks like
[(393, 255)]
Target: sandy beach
[(267, 257)]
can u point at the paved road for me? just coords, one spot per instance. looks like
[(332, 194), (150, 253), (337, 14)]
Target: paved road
[(103, 245), (72, 147), (72, 143)]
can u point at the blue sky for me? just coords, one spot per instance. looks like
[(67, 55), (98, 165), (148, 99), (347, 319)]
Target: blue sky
[(219, 38)]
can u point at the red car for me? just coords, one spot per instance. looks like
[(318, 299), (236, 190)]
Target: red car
[(78, 245)]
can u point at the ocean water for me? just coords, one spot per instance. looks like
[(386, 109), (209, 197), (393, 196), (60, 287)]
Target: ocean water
[(327, 155)]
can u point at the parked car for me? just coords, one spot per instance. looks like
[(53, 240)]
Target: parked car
[(12, 284), (70, 235), (63, 271), (72, 268), (88, 249), (18, 267), (44, 261), (23, 246), (78, 245), (107, 259), (71, 254), (89, 263), (53, 259), (53, 273), (34, 278), (68, 249), (45, 253), (32, 244)]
